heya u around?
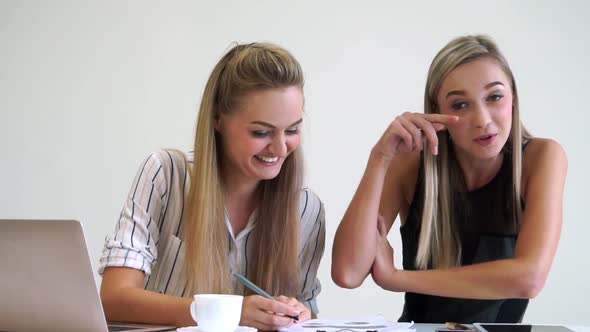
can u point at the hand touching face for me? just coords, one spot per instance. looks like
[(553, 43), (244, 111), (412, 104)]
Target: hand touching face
[(408, 132)]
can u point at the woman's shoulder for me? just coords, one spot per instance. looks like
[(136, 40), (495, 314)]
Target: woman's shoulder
[(309, 194), (171, 156), (310, 206), (170, 159), (165, 167), (539, 154), (312, 215), (541, 150)]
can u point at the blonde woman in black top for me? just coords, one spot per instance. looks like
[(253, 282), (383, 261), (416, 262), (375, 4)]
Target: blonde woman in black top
[(480, 200)]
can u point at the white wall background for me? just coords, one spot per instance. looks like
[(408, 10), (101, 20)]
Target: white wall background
[(89, 88)]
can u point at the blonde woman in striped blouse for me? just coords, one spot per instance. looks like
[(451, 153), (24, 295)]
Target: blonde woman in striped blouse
[(236, 203)]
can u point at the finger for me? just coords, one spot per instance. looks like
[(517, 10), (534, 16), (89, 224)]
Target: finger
[(287, 300), (272, 322), (292, 301), (279, 308), (440, 118), (256, 307), (305, 313), (409, 124), (438, 126), (260, 312), (396, 129), (282, 298), (429, 133), (302, 308)]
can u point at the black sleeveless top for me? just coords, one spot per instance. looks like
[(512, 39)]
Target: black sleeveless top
[(487, 231)]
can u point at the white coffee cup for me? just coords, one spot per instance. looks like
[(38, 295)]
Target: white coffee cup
[(217, 312)]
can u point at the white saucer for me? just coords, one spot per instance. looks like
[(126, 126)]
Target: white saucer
[(196, 329)]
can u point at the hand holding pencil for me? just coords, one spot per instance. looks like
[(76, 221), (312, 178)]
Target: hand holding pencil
[(269, 313)]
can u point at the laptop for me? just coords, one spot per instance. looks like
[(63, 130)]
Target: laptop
[(47, 282)]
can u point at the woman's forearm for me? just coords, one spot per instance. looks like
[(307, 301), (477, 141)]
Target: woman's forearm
[(501, 279), (355, 241), (142, 306)]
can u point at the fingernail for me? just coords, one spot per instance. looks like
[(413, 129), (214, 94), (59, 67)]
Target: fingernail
[(435, 150)]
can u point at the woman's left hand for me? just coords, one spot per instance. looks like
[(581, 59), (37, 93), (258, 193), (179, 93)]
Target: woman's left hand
[(304, 312), (383, 267)]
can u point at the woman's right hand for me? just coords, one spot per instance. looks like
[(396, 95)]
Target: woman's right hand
[(265, 314), (408, 132)]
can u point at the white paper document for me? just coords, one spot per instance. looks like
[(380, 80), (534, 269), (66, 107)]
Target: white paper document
[(373, 323)]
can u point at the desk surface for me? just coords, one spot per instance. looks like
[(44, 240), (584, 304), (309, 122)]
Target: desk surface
[(432, 327)]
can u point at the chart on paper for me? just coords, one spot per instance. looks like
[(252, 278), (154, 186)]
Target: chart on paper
[(364, 324)]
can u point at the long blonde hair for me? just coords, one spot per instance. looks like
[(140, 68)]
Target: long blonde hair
[(273, 263), (439, 244)]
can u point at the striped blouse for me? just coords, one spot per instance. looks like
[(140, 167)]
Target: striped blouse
[(147, 235)]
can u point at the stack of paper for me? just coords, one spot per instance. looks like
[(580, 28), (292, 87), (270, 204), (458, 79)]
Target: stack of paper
[(374, 323)]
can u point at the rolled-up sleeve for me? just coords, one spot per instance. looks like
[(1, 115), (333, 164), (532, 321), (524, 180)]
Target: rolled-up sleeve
[(134, 242), (314, 236)]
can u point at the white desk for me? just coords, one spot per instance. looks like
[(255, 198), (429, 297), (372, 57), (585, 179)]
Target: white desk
[(432, 327)]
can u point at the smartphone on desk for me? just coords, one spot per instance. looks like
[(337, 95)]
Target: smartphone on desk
[(499, 327)]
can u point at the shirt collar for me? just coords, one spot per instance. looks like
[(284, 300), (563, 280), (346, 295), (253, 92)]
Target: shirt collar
[(249, 226)]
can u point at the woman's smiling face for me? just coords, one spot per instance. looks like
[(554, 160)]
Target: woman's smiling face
[(262, 132)]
